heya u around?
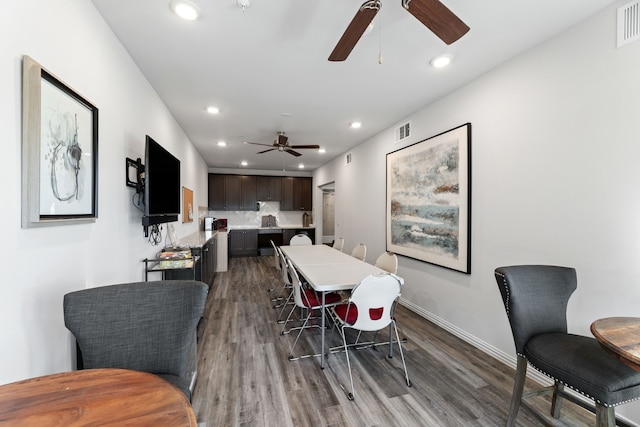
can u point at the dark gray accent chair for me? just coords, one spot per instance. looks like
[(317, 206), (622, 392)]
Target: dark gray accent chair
[(535, 298), (144, 326)]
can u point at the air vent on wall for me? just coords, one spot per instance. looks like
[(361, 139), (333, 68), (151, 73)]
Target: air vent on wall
[(347, 159), (628, 23), (403, 132)]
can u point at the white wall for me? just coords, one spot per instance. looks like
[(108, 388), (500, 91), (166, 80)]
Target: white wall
[(71, 40), (555, 149)]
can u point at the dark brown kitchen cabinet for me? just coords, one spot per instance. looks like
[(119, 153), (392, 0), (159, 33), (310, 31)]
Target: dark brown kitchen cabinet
[(217, 193), (286, 203), (243, 243), (269, 188), (296, 194), (302, 194), (232, 193), (209, 260), (205, 267)]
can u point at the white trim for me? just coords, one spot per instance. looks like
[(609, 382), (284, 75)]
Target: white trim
[(492, 351)]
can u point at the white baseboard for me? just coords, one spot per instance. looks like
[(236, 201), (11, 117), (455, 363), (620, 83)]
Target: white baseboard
[(507, 359)]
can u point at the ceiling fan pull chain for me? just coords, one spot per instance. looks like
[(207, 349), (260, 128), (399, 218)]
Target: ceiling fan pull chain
[(380, 33)]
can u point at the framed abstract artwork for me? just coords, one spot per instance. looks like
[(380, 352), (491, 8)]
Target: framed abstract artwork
[(429, 200), (59, 151)]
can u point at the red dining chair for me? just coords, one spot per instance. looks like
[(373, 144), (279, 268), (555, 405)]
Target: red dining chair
[(370, 308), (307, 300)]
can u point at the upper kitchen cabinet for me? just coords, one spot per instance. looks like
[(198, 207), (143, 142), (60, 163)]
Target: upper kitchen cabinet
[(217, 193), (269, 188), (232, 193), (296, 194)]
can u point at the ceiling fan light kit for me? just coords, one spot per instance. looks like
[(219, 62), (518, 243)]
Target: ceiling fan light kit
[(243, 4), (432, 13)]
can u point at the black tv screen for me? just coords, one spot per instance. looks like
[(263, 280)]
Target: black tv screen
[(162, 183)]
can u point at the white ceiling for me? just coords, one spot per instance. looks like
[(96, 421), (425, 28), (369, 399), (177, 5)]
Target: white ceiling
[(266, 68)]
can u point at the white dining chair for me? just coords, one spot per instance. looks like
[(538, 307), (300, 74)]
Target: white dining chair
[(308, 300), (338, 244), (300, 239), (388, 261), (360, 251), (370, 308)]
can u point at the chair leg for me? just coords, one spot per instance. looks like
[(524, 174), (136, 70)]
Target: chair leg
[(350, 394), (302, 328), (284, 327), (556, 400), (518, 387), (284, 306), (404, 364), (605, 416)]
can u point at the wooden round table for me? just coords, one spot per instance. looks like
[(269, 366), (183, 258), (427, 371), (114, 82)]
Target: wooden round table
[(95, 397), (620, 336)]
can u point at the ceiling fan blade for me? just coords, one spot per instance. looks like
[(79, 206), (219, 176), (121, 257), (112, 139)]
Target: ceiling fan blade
[(315, 147), (438, 18), (282, 139), (355, 30), (257, 143), (295, 153), (266, 151)]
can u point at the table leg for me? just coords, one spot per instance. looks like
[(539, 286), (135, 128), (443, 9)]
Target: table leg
[(322, 339)]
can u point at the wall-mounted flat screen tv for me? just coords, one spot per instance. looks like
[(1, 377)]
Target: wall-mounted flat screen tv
[(161, 184)]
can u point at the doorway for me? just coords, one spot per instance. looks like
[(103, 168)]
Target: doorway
[(328, 213)]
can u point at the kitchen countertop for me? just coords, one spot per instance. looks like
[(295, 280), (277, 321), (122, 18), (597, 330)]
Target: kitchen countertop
[(280, 227), (197, 239), (200, 238)]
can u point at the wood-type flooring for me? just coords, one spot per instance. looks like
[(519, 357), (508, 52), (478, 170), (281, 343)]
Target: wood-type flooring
[(246, 379)]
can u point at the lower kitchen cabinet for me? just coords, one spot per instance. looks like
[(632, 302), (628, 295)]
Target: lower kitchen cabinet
[(205, 267), (209, 259), (243, 243)]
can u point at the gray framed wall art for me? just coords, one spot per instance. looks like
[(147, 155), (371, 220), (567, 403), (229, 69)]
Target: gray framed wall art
[(59, 151), (429, 200)]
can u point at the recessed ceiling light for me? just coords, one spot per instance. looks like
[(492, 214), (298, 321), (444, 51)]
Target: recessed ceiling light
[(322, 150), (301, 166), (222, 144), (185, 9), (441, 61), (356, 125), (244, 163), (213, 110)]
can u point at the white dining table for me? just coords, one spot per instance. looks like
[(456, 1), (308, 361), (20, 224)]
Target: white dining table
[(328, 270)]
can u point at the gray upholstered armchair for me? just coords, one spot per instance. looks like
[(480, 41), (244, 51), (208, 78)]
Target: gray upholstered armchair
[(535, 298), (145, 326)]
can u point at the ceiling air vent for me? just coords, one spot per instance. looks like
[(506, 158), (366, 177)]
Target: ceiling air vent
[(628, 23), (403, 132)]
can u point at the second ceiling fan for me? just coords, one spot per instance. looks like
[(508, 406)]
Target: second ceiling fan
[(432, 13), (282, 144)]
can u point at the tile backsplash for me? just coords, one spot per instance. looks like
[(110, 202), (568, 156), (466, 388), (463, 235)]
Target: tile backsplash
[(254, 218)]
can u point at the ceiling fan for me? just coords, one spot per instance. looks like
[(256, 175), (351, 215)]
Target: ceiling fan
[(432, 13), (281, 144)]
